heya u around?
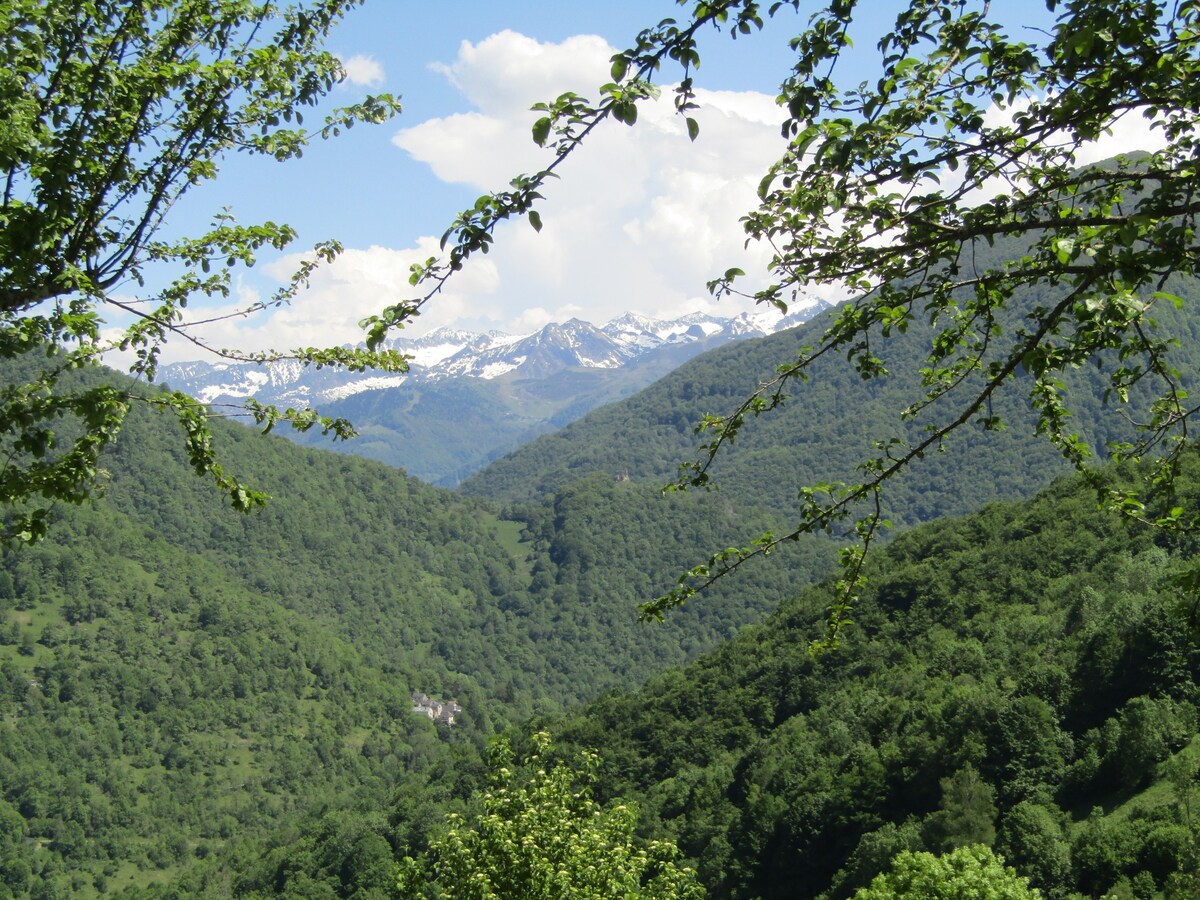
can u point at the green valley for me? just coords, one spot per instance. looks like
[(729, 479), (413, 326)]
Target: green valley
[(181, 680), (935, 636)]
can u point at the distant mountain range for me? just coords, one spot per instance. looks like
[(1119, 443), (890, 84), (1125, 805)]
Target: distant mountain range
[(452, 353), (468, 398)]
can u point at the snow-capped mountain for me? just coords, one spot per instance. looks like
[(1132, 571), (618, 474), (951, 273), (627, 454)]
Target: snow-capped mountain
[(468, 398), (449, 353)]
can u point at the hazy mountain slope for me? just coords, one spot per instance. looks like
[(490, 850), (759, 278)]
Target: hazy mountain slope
[(443, 431), (824, 428), (398, 566), (467, 398)]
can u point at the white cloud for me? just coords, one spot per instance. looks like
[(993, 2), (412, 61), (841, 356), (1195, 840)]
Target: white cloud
[(357, 284), (507, 72), (536, 317), (363, 70), (641, 217), (639, 221), (1128, 133)]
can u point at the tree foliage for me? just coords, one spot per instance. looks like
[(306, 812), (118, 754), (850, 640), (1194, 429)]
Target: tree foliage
[(892, 189), (112, 112), (895, 189), (541, 836), (966, 872)]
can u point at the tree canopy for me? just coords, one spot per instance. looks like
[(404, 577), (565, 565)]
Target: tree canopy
[(896, 189), (966, 872), (541, 835), (112, 112), (901, 190)]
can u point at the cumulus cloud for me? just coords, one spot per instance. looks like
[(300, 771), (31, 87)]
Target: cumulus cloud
[(639, 221), (1128, 133), (357, 284), (363, 70), (641, 217), (508, 71)]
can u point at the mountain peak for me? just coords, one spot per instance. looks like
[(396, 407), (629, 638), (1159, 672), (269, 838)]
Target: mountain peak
[(448, 352)]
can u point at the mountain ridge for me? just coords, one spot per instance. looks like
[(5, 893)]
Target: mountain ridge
[(450, 352), (469, 398)]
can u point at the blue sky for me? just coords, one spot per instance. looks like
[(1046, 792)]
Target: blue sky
[(639, 222), (388, 191)]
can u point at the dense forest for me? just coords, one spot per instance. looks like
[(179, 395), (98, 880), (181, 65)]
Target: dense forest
[(198, 701), (202, 702), (1024, 678), (181, 681)]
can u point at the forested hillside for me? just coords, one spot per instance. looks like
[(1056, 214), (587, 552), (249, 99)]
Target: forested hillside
[(831, 422), (250, 677), (181, 680), (1025, 677), (246, 674)]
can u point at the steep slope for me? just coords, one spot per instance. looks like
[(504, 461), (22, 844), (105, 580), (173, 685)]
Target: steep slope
[(157, 708), (1023, 677)]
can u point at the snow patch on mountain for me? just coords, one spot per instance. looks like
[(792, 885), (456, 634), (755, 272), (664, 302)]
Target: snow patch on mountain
[(247, 384), (427, 357), (372, 383), (496, 369), (451, 353)]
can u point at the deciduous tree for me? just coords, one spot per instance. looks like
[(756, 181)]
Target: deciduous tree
[(972, 139), (965, 872), (112, 111), (541, 835)]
